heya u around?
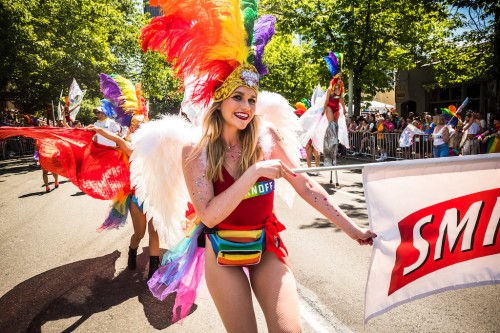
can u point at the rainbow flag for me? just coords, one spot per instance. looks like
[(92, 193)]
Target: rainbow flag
[(451, 110)]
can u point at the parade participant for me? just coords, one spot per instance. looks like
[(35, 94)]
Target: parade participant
[(138, 218), (310, 151), (302, 107), (103, 121), (229, 173), (325, 121), (470, 142), (45, 173), (334, 105), (45, 177), (125, 102), (491, 136)]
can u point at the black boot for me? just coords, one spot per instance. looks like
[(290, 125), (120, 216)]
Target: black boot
[(132, 255), (154, 262)]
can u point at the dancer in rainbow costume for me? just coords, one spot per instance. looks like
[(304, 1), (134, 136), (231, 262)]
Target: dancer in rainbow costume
[(100, 171), (228, 169), (324, 122)]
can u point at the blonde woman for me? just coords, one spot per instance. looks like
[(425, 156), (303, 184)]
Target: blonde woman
[(234, 163), (441, 136)]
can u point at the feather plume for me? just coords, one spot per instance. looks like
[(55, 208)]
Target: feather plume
[(141, 104), (128, 100), (249, 9), (278, 114), (264, 31), (332, 63), (109, 108), (306, 102), (157, 150), (110, 88), (214, 29), (208, 39), (123, 98)]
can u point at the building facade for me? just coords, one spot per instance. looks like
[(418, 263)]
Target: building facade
[(416, 92), (153, 11)]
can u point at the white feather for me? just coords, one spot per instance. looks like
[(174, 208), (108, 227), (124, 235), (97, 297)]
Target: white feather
[(314, 124), (275, 109), (156, 174)]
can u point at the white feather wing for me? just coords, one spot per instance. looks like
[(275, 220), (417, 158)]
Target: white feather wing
[(156, 174), (275, 109)]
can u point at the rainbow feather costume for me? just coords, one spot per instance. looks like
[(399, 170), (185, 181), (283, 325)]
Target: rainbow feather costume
[(124, 102)]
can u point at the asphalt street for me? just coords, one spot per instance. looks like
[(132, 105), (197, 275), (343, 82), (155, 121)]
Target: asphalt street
[(59, 275)]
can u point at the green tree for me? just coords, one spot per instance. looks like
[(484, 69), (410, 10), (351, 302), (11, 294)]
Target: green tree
[(292, 73), (473, 52), (48, 43), (377, 37)]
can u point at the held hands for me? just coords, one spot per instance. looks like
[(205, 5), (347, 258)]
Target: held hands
[(272, 169)]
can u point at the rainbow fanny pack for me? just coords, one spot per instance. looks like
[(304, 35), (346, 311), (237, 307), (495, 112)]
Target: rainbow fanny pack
[(241, 247), (237, 247)]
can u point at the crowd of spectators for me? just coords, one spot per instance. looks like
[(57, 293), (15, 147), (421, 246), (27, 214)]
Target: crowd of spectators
[(470, 136)]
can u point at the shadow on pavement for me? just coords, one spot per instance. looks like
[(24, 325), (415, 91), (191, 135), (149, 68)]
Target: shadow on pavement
[(81, 289), (320, 223), (16, 168), (51, 185)]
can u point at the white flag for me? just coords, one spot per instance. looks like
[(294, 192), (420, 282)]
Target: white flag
[(437, 225), (75, 98)]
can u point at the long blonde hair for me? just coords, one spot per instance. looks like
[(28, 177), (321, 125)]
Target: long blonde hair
[(211, 141)]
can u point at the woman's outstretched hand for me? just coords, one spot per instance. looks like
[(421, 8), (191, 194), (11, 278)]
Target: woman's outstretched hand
[(273, 169), (94, 128), (366, 237)]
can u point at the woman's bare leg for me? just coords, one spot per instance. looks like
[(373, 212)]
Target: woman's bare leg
[(230, 290), (274, 286), (154, 241), (316, 157), (309, 153), (139, 222)]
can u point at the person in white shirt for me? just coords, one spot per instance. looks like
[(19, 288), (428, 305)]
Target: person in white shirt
[(471, 129), (107, 124)]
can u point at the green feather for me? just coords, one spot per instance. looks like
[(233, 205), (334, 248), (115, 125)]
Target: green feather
[(249, 10)]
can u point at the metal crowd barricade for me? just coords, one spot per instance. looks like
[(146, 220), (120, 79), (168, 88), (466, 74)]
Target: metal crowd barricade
[(17, 146), (372, 145), (27, 145)]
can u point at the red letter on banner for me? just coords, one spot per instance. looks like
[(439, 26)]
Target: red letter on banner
[(445, 234)]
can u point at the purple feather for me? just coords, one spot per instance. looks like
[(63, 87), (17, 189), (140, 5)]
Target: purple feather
[(110, 88), (335, 61), (263, 32), (112, 93)]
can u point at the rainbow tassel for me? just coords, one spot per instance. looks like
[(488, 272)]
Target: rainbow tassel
[(182, 269), (118, 212)]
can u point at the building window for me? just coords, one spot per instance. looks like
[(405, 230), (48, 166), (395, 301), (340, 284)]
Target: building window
[(456, 93), (153, 11), (433, 95), (474, 90), (444, 94)]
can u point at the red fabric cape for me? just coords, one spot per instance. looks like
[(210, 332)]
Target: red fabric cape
[(99, 171)]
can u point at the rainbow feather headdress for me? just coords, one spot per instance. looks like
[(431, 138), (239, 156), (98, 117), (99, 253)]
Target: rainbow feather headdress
[(334, 61), (220, 43), (123, 101)]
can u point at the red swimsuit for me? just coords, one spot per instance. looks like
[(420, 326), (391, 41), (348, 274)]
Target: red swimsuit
[(334, 104), (252, 214)]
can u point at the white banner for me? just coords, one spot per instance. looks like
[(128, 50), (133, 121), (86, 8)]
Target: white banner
[(437, 222), (75, 98)]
